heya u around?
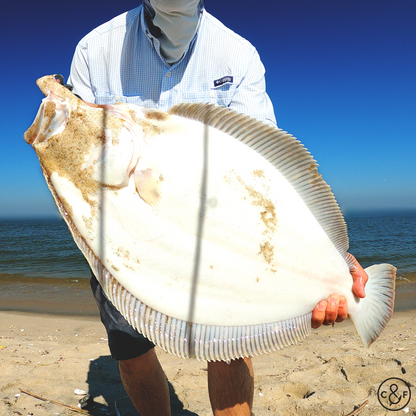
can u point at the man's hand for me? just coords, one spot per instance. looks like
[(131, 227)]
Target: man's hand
[(335, 308)]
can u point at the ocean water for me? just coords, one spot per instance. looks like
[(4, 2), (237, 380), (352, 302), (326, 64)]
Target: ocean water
[(40, 249), (385, 240), (45, 249)]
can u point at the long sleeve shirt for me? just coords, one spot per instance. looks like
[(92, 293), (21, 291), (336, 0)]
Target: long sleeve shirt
[(121, 61)]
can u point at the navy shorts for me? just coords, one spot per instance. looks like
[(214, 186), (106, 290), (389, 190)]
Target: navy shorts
[(124, 341)]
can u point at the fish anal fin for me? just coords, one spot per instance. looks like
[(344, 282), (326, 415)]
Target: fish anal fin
[(148, 186)]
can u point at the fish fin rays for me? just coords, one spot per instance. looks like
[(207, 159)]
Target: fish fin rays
[(350, 260), (375, 310), (286, 154)]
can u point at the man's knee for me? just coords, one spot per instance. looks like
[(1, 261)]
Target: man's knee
[(145, 362)]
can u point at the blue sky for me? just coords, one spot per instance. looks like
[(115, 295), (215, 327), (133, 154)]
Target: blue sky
[(341, 76)]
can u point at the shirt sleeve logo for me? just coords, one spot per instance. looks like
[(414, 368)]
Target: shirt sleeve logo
[(224, 80)]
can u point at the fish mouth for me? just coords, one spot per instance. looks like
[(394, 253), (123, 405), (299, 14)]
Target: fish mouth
[(50, 119), (54, 110)]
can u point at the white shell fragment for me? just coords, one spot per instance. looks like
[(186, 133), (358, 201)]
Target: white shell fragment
[(212, 233)]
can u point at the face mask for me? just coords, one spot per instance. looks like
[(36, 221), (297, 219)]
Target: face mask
[(178, 21)]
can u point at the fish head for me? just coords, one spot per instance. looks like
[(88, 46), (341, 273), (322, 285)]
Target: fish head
[(94, 146), (70, 135)]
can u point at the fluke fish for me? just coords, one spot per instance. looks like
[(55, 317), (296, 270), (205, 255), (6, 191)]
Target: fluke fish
[(211, 232)]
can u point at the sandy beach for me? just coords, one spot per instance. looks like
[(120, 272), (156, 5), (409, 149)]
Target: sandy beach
[(329, 373)]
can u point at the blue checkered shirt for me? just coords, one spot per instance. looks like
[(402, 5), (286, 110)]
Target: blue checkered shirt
[(120, 61)]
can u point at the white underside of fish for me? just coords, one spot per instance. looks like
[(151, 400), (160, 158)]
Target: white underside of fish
[(219, 240)]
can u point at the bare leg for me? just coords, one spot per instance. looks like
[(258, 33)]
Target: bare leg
[(231, 387), (146, 384)]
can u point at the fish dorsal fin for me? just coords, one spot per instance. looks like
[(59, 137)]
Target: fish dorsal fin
[(286, 154)]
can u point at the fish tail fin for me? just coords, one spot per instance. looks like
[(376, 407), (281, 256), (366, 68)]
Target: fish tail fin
[(375, 310)]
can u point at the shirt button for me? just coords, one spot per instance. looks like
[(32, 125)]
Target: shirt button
[(212, 94), (168, 74), (117, 98)]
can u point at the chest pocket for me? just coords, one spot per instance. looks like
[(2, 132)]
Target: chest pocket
[(222, 96)]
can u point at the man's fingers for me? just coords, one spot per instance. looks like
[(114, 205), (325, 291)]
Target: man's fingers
[(342, 309), (359, 277), (335, 309), (318, 314), (332, 309), (358, 285)]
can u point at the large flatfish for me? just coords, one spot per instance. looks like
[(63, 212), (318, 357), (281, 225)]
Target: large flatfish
[(211, 232)]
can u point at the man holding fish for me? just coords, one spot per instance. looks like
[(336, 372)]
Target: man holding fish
[(157, 55)]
